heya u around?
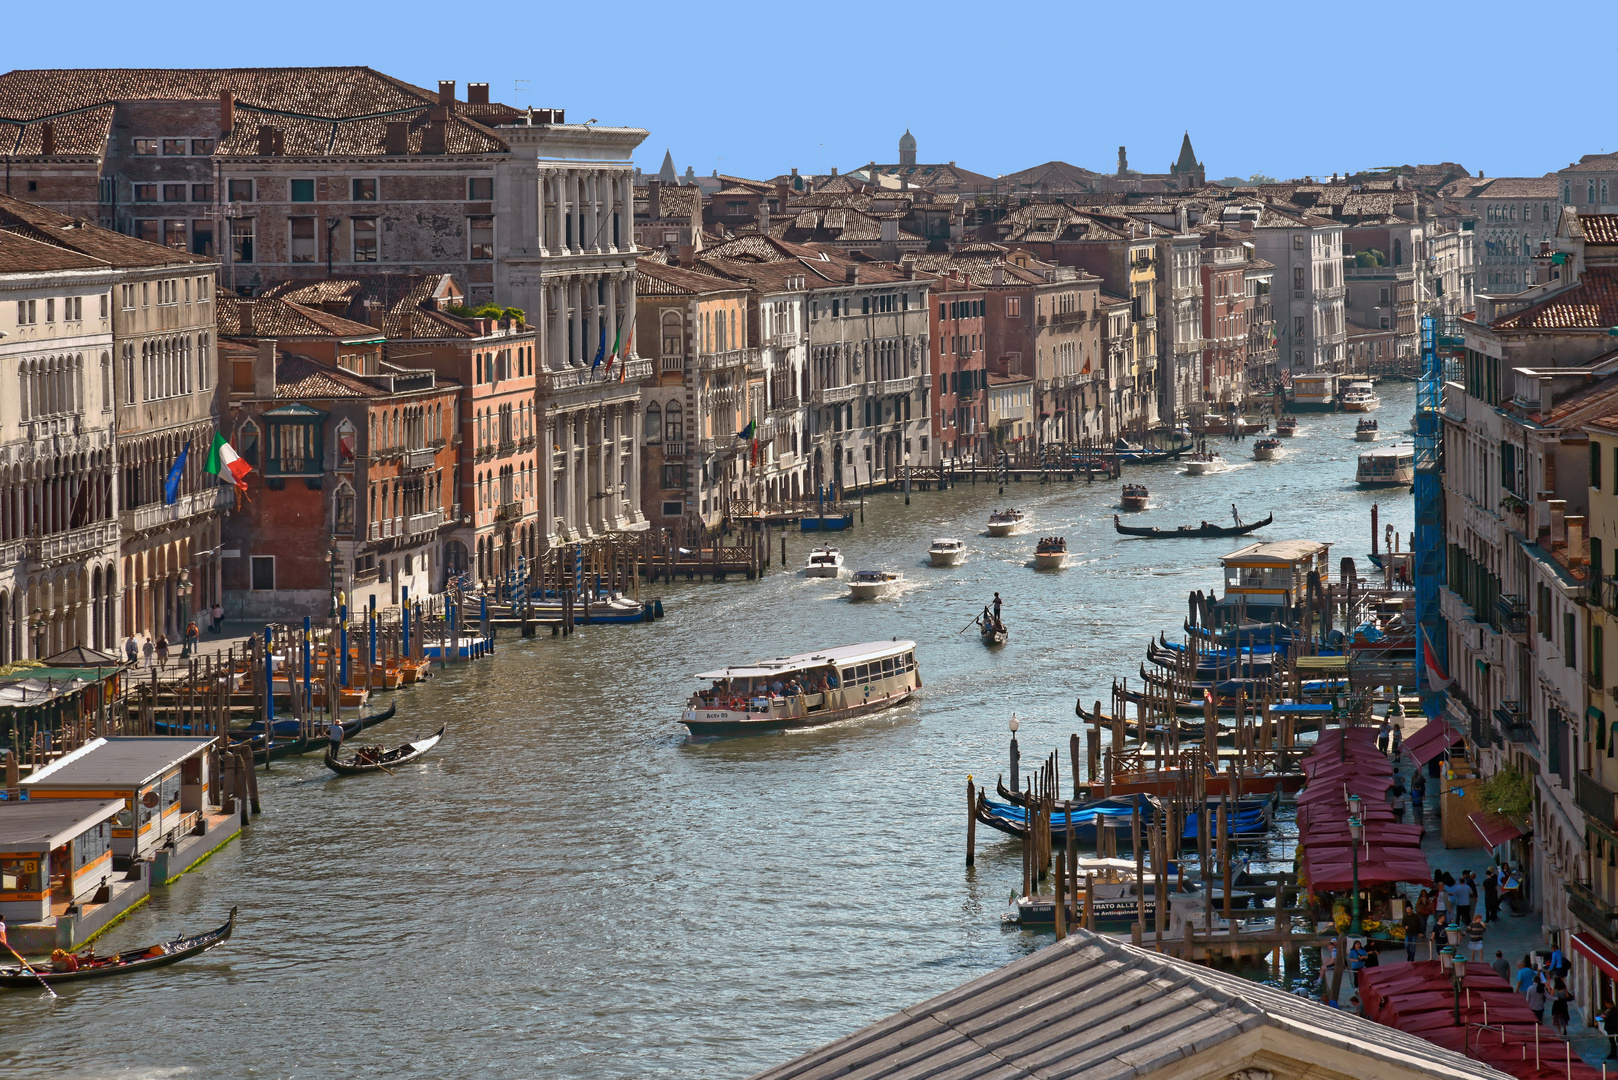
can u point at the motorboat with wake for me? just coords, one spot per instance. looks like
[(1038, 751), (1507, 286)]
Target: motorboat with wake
[(1367, 430), (946, 551), (1135, 496), (1050, 553), (1205, 464), (1005, 522), (824, 561), (873, 584), (1267, 450)]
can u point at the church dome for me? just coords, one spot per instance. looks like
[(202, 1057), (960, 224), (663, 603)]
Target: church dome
[(907, 148)]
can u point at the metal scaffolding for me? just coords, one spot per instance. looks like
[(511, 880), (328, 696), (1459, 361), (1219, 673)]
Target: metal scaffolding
[(1429, 496)]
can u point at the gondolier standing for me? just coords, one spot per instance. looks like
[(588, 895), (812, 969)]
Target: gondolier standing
[(997, 607), (334, 736)]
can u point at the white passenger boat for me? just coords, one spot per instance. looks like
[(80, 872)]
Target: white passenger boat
[(806, 690), (1314, 392), (1005, 522), (873, 584), (1205, 464), (1051, 553), (823, 561), (946, 551), (1367, 430), (1267, 450), (1360, 397), (1387, 466)]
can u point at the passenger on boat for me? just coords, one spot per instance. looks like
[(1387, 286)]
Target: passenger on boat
[(63, 961)]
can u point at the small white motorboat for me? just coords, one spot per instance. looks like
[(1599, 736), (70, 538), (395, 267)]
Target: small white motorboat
[(946, 551), (1286, 427), (1006, 522), (823, 561), (1205, 465), (1367, 431), (1359, 397), (873, 584), (1051, 553), (1135, 496), (1267, 450)]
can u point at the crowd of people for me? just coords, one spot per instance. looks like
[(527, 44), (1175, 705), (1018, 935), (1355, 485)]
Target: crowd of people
[(154, 650)]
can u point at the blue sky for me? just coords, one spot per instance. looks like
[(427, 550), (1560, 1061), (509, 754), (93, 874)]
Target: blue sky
[(1285, 89)]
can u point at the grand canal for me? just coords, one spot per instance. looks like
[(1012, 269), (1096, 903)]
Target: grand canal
[(569, 888)]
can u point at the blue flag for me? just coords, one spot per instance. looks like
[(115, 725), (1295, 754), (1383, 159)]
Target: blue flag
[(171, 486), (601, 351)]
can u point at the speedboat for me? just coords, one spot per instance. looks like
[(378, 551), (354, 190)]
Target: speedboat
[(1286, 427), (1267, 450), (1005, 522), (803, 691), (1050, 553), (1359, 397), (1134, 497), (1387, 466), (946, 551), (1366, 431), (1205, 465), (873, 584), (823, 561)]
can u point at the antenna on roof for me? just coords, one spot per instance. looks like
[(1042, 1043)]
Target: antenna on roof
[(519, 86)]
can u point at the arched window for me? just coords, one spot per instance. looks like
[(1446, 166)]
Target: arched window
[(673, 334), (346, 439), (247, 443), (343, 511), (653, 427), (673, 423)]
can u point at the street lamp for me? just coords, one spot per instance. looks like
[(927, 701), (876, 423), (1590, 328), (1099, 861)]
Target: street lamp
[(333, 558), (36, 623), (1355, 832), (1457, 972), (183, 590), (1016, 763)]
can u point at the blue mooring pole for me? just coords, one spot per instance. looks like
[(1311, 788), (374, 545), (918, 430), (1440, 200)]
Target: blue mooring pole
[(342, 664)]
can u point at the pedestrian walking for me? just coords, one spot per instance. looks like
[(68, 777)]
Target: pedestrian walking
[(1418, 794), (1440, 899), (149, 650), (192, 637), (1502, 966), (132, 650), (1474, 939), (1525, 976), (1397, 745), (1536, 999), (218, 614), (1491, 896), (1382, 733), (1328, 961), (1356, 957), (1424, 908), (1415, 924), (1397, 802), (1462, 900), (162, 650), (1561, 997), (1609, 1028)]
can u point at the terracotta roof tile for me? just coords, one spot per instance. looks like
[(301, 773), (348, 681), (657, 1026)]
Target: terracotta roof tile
[(656, 279), (1600, 228), (301, 377), (23, 254), (399, 297), (1590, 304), (276, 318), (74, 234)]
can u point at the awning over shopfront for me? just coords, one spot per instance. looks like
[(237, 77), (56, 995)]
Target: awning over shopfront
[(1495, 829), (1431, 741), (1597, 953)]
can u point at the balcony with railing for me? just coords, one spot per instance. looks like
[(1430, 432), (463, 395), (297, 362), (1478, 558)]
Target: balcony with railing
[(417, 459), (730, 358), (1515, 722), (673, 449), (417, 524), (71, 545), (1512, 613), (901, 386), (508, 511), (1591, 910), (833, 395), (141, 518)]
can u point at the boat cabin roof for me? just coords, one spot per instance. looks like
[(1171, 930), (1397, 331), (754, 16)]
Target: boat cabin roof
[(874, 575), (845, 654), (1276, 553), (1391, 450), (47, 824), (942, 540), (121, 762)]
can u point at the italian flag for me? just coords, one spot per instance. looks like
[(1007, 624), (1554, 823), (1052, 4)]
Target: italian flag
[(225, 463)]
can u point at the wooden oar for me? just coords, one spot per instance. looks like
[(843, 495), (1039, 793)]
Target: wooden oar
[(30, 970), (975, 620)]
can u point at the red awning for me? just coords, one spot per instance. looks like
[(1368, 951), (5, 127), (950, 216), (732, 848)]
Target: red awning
[(1603, 957), (1495, 829), (1431, 741)]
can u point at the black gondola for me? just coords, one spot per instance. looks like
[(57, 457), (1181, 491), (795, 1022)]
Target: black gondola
[(992, 630), (124, 963), (285, 748), (364, 760), (1190, 532)]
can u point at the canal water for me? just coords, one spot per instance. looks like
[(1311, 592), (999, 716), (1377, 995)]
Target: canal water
[(570, 888)]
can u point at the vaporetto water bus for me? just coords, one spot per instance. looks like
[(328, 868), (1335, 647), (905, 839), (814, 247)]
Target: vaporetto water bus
[(804, 691)]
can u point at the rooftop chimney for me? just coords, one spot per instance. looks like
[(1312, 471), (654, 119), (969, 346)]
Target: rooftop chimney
[(271, 141), (432, 135), (47, 138), (764, 217), (851, 273), (227, 112), (999, 276), (264, 369), (1574, 523), (654, 198), (477, 93), (397, 138), (890, 230), (1558, 511), (244, 318), (446, 92)]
